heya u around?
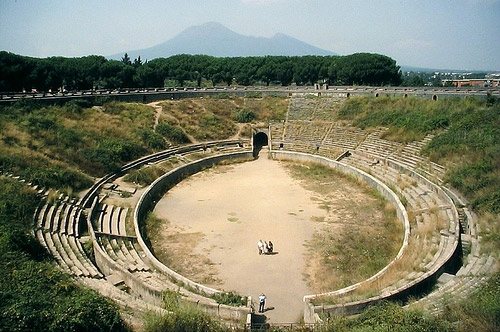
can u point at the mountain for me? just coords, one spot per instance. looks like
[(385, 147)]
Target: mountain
[(216, 40)]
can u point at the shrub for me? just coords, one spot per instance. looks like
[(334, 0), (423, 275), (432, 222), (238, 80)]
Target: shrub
[(173, 134), (34, 295), (230, 298), (244, 116), (152, 139), (144, 176), (186, 319), (388, 317)]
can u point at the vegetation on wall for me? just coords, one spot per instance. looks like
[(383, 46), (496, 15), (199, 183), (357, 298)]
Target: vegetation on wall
[(64, 146), (60, 146)]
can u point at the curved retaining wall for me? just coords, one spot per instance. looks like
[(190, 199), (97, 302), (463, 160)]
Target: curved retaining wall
[(108, 266), (88, 197), (147, 202), (311, 312)]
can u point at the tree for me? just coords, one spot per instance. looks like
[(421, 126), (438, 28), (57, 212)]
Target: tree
[(126, 59), (138, 62)]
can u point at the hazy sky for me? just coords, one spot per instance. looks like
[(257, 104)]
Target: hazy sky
[(455, 34)]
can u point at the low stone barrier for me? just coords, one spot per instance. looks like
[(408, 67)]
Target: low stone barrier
[(146, 203), (310, 311), (109, 266)]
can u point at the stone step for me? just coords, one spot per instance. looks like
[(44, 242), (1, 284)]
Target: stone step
[(122, 222), (81, 256), (71, 254)]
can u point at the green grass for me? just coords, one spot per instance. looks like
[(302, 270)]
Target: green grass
[(467, 138), (56, 146), (213, 118), (230, 298), (144, 176), (185, 319), (64, 146), (480, 312), (34, 295), (388, 317), (350, 254)]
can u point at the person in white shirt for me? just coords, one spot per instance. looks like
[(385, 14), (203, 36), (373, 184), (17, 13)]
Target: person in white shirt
[(262, 302), (260, 244)]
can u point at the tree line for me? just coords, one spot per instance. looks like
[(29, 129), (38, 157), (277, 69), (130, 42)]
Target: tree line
[(18, 73)]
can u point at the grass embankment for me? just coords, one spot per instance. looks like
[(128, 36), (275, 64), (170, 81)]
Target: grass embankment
[(34, 295), (467, 141), (215, 118), (360, 233), (467, 138), (60, 146)]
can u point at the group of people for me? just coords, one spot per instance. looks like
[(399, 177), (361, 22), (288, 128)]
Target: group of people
[(265, 247)]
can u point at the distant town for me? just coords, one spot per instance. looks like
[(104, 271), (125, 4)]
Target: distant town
[(451, 79)]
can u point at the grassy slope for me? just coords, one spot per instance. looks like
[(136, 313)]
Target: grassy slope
[(214, 118), (63, 147), (467, 141), (34, 295), (467, 138)]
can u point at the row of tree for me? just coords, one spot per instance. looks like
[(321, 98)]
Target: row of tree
[(19, 73)]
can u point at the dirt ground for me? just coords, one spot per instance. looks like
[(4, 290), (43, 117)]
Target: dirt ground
[(214, 219)]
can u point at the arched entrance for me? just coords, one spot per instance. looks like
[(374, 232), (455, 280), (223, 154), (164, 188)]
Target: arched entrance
[(260, 139)]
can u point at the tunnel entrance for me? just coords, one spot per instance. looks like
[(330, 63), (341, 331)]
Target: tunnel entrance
[(260, 139)]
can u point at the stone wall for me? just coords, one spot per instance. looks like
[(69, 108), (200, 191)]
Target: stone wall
[(450, 258), (146, 203), (110, 267)]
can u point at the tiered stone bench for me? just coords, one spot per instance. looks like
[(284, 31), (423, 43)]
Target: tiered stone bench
[(55, 229), (475, 271), (313, 108), (436, 248), (344, 137), (123, 258), (312, 132), (435, 222)]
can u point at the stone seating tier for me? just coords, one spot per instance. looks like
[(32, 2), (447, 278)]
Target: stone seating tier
[(55, 230), (432, 251)]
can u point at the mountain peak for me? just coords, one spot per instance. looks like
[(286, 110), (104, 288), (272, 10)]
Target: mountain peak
[(215, 39)]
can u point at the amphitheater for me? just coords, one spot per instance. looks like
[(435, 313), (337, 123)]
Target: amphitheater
[(438, 227)]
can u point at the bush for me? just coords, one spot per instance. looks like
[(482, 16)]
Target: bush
[(173, 134), (244, 116), (230, 298), (144, 176), (111, 153), (34, 295), (388, 317), (183, 320), (152, 140)]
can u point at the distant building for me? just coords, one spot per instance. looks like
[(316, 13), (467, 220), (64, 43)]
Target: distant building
[(474, 82)]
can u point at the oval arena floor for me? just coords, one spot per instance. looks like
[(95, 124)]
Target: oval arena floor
[(221, 214)]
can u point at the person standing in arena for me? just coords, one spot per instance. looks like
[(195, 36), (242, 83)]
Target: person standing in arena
[(262, 302), (260, 244)]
